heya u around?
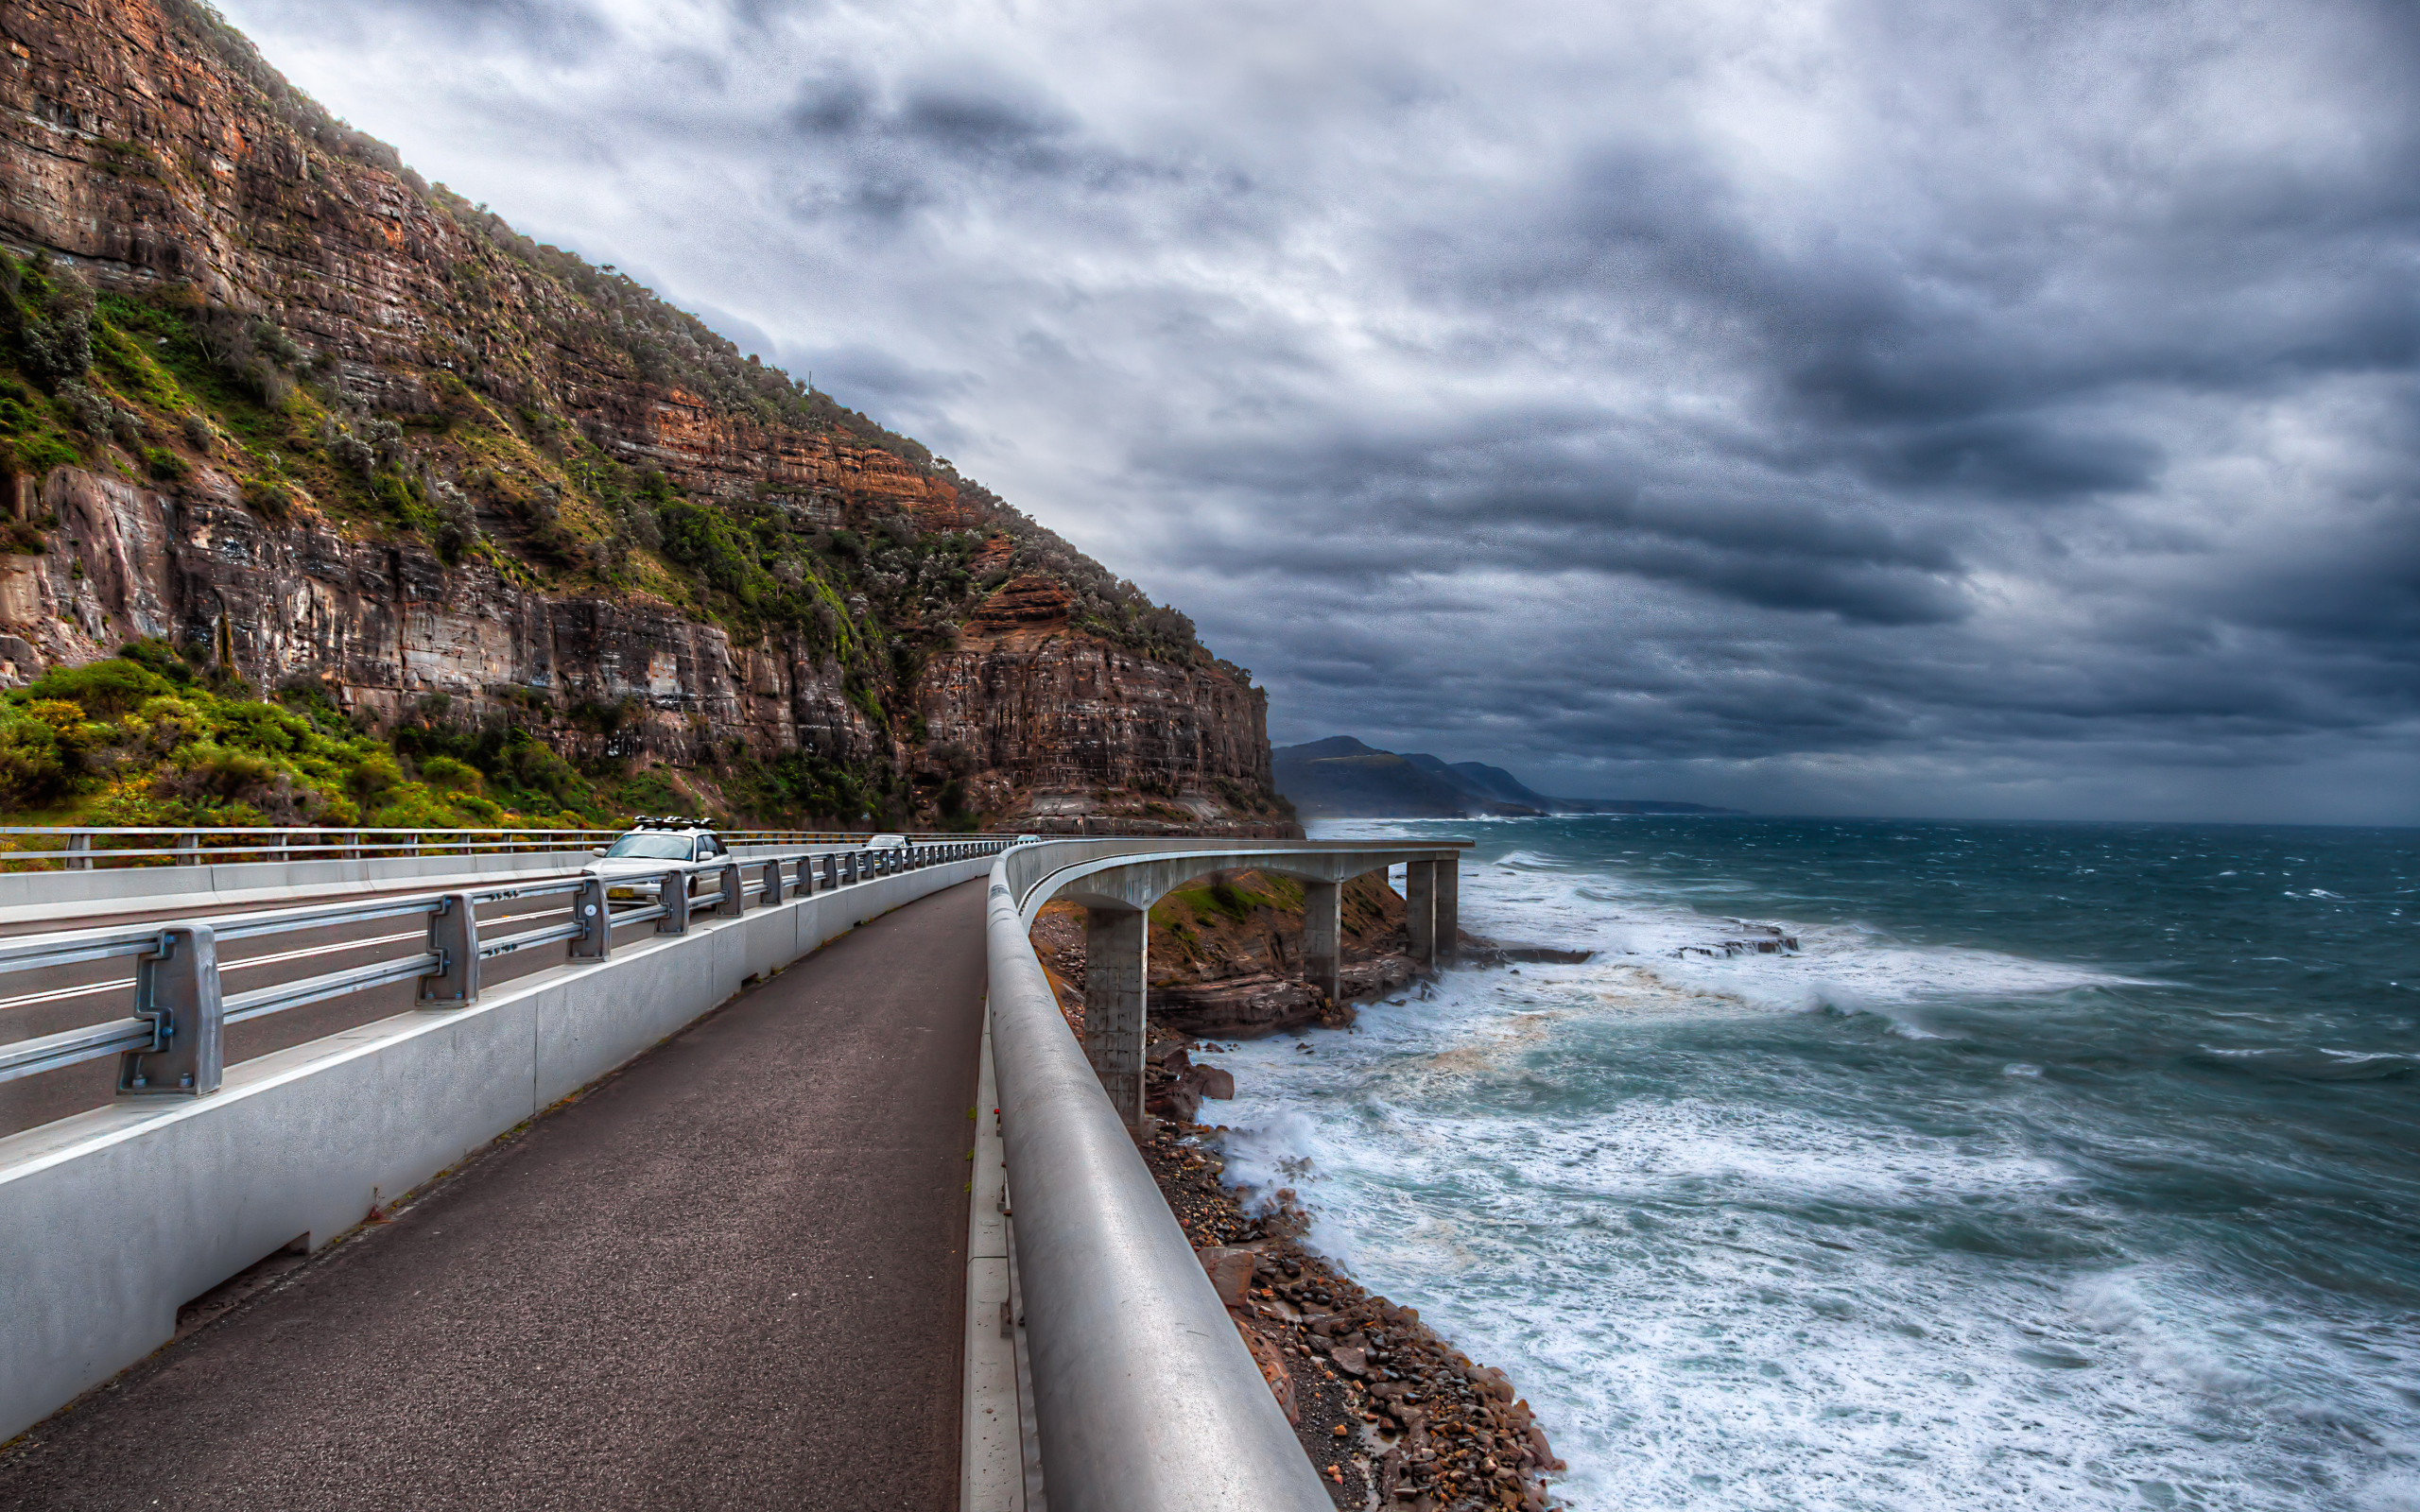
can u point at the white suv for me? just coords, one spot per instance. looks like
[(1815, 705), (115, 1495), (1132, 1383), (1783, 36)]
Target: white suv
[(631, 864)]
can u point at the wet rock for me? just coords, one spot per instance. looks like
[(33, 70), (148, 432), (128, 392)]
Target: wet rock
[(1230, 1269), (1271, 1357), (1235, 1007)]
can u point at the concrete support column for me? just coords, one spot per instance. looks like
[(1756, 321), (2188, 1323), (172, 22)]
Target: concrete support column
[(1448, 907), (1117, 943), (1420, 905), (1322, 934)]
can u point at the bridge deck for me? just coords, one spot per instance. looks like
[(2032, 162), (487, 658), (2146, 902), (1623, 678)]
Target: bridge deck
[(729, 1276)]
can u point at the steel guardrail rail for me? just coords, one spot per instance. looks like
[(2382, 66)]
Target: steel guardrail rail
[(1145, 1397), (178, 987)]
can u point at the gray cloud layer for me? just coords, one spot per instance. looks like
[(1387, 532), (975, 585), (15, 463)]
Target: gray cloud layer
[(1877, 406)]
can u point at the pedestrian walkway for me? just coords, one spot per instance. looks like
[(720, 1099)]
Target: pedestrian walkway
[(730, 1276)]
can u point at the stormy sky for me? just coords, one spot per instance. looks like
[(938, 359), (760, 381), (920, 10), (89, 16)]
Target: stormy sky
[(1967, 408)]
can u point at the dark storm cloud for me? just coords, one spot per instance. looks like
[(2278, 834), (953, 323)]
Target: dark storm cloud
[(1996, 408)]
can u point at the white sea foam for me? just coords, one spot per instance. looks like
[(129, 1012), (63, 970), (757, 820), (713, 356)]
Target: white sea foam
[(1722, 1294), (1641, 937)]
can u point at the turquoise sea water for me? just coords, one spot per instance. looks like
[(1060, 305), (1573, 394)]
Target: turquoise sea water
[(2061, 1166)]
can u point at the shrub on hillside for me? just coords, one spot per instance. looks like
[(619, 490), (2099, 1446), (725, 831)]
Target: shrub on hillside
[(105, 689), (446, 775), (32, 768)]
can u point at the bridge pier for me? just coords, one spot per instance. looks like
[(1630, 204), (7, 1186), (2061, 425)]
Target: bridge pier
[(1323, 935), (1449, 908), (1117, 943), (1420, 908)]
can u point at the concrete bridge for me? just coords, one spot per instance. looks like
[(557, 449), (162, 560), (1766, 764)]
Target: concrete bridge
[(755, 1234)]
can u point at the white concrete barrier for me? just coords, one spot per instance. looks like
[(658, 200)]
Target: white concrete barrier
[(111, 1219)]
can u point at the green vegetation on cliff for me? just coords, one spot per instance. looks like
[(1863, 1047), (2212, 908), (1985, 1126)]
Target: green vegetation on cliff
[(140, 738)]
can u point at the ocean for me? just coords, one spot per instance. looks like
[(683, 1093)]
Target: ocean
[(2061, 1165)]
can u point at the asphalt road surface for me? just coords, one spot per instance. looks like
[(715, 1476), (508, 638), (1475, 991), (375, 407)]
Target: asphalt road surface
[(729, 1276)]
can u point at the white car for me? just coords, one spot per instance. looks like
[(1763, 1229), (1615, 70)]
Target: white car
[(630, 864), (887, 842)]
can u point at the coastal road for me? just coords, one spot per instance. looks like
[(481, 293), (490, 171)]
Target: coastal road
[(729, 1276)]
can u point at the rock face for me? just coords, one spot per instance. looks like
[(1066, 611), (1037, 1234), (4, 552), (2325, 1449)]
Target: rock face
[(1053, 717), (1046, 720), (147, 145), (383, 625)]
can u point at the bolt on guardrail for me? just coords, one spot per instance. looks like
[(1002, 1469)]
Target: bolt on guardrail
[(171, 1043), (175, 992)]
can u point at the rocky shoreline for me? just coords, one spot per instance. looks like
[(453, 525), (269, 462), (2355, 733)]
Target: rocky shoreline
[(1390, 1413)]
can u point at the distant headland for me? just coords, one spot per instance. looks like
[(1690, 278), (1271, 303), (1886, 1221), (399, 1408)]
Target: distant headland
[(1339, 778)]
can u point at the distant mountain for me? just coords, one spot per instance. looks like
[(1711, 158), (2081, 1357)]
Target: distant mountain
[(1339, 778)]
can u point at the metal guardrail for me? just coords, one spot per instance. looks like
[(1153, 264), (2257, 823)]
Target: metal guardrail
[(85, 847), (172, 1041), (1144, 1398)]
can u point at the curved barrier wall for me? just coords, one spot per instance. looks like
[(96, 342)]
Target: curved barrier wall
[(1143, 1397)]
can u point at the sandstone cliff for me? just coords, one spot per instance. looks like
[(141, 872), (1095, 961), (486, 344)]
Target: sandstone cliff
[(337, 427)]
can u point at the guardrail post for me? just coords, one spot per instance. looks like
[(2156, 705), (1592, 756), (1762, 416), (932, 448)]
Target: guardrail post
[(1448, 909), (831, 870), (454, 939), (771, 896), (1323, 924), (188, 849), (674, 894), (731, 902), (80, 853), (1420, 908), (1117, 943), (177, 988), (595, 916)]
